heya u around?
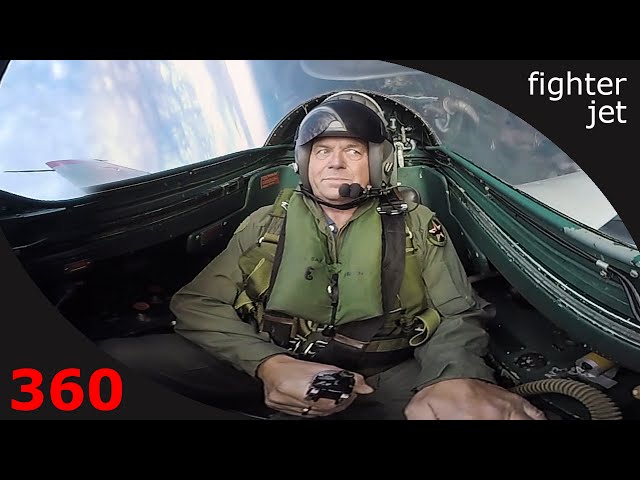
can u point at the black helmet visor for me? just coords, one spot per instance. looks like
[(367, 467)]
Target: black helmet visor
[(342, 118)]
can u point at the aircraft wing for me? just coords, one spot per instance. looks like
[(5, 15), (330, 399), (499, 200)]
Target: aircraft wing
[(575, 195), (87, 173)]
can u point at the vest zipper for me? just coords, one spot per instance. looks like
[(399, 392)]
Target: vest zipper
[(334, 294), (333, 289)]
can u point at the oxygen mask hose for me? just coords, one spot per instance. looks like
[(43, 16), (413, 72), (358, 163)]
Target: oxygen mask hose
[(600, 406)]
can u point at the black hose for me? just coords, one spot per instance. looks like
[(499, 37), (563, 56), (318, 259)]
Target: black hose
[(599, 405)]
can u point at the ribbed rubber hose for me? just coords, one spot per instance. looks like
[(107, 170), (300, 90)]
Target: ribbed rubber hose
[(599, 405)]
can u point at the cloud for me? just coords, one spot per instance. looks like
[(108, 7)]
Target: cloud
[(58, 70), (148, 115)]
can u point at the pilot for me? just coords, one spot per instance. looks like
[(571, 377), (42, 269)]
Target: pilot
[(339, 274)]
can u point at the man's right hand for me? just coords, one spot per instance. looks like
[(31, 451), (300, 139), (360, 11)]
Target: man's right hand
[(287, 380)]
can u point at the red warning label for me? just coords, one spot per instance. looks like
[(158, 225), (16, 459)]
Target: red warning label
[(269, 180)]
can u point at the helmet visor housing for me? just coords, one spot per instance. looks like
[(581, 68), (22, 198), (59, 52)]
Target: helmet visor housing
[(341, 118)]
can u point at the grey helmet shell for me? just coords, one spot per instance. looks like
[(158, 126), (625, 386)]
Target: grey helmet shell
[(347, 114)]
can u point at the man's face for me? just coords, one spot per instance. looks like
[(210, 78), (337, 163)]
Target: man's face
[(334, 161)]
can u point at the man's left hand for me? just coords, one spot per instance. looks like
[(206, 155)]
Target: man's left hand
[(469, 399)]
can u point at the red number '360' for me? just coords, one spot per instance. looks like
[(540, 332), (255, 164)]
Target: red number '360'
[(61, 382)]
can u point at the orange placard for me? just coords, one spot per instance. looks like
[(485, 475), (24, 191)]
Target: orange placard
[(270, 180)]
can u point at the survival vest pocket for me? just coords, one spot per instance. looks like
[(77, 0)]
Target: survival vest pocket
[(256, 264), (257, 282)]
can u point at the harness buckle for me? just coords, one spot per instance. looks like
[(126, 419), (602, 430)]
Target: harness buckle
[(317, 344), (301, 346)]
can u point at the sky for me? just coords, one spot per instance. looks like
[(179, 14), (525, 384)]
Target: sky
[(147, 115)]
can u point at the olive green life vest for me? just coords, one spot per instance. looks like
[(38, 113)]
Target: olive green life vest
[(324, 290), (373, 292)]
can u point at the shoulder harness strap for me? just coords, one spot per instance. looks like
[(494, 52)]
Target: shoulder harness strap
[(278, 215), (275, 231)]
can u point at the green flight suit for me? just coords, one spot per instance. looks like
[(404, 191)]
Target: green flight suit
[(205, 313)]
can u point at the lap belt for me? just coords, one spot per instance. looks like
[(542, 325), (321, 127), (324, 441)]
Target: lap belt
[(351, 346)]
